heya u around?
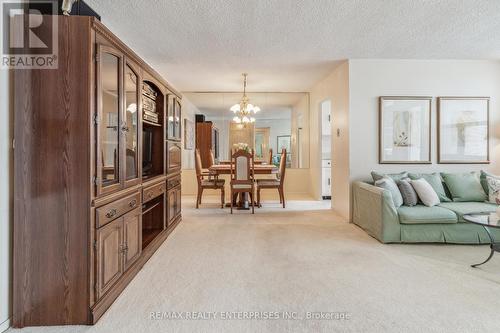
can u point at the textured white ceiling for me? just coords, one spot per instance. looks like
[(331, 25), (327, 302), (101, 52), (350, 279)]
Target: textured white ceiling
[(289, 45)]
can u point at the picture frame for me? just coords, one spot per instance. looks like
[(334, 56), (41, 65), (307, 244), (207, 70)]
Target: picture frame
[(188, 134), (405, 129), (285, 141), (463, 130)]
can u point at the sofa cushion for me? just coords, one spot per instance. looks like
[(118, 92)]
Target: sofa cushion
[(483, 180), (389, 184), (425, 192), (435, 180), (410, 197), (425, 215), (465, 187), (462, 208), (395, 176), (493, 189)]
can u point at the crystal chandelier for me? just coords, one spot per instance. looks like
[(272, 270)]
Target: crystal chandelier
[(244, 110)]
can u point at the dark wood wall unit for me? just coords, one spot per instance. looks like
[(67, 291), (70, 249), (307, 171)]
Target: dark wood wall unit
[(206, 140), (51, 196), (72, 196)]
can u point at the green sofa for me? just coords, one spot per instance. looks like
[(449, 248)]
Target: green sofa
[(374, 211)]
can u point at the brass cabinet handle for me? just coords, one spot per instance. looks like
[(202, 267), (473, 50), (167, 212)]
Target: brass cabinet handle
[(150, 195), (123, 248), (132, 203), (111, 213)]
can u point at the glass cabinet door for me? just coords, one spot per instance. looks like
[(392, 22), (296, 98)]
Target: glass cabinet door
[(177, 119), (109, 119), (170, 117), (131, 125)]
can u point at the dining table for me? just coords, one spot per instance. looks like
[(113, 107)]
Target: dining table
[(229, 162), (258, 169)]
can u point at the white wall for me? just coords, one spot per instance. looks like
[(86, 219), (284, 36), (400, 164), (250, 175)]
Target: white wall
[(5, 201), (335, 87), (370, 79), (188, 112)]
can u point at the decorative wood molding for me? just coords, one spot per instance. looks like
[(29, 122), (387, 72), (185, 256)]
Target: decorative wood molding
[(105, 32)]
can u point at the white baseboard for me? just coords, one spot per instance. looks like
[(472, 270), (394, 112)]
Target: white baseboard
[(5, 325)]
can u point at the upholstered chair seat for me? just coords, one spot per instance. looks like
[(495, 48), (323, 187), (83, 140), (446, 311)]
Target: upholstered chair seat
[(213, 182), (277, 183)]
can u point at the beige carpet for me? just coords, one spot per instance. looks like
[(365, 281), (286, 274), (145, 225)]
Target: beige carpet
[(298, 261)]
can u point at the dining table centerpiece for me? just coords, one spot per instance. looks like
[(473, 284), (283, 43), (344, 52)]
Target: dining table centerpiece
[(241, 146)]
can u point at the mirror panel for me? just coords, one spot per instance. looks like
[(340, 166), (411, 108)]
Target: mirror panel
[(282, 122)]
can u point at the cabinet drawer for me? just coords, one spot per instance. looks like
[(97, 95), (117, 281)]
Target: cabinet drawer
[(173, 182), (111, 211), (151, 192)]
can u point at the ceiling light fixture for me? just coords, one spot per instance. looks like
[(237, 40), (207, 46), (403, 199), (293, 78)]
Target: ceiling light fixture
[(244, 110)]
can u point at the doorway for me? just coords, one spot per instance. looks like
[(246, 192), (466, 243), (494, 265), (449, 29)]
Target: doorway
[(326, 149)]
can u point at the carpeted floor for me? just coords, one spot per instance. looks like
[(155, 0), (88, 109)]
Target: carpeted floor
[(299, 262)]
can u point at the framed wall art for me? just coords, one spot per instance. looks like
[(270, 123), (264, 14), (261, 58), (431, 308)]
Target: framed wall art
[(188, 134), (405, 130), (285, 142), (463, 130)]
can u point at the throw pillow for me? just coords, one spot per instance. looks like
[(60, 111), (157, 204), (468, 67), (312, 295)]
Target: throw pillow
[(435, 180), (484, 182), (493, 189), (408, 193), (395, 176), (425, 192), (465, 186), (389, 184)]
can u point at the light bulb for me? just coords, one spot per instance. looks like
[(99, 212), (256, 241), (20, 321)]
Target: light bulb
[(256, 109), (245, 119), (235, 108), (132, 108), (252, 119), (237, 120)]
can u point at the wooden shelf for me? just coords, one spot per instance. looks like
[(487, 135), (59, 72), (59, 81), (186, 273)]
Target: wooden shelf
[(148, 235), (145, 122)]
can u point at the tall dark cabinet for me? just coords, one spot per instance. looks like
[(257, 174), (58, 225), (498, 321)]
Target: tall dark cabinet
[(207, 141), (96, 179)]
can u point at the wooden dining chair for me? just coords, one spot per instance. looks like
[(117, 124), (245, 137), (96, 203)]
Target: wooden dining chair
[(213, 182), (242, 171), (211, 158), (277, 183)]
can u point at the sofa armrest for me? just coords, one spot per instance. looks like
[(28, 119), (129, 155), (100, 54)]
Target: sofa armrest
[(374, 211)]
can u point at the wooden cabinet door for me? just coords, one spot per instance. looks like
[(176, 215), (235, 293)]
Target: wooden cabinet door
[(109, 255), (174, 156), (177, 201), (132, 237), (108, 120), (171, 198)]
